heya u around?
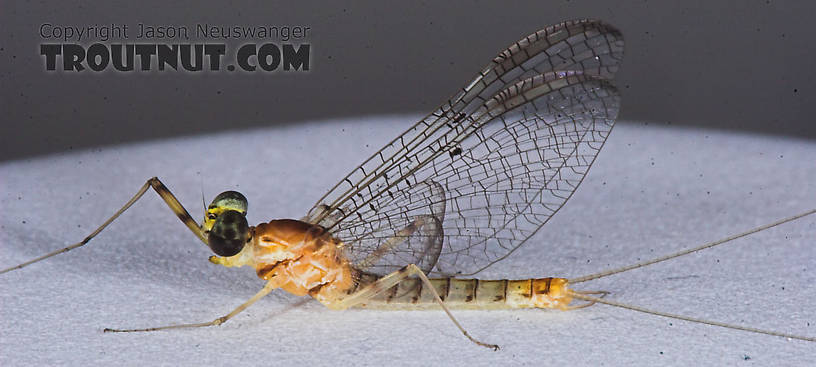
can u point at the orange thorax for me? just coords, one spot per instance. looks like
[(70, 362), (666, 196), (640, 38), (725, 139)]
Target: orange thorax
[(301, 259)]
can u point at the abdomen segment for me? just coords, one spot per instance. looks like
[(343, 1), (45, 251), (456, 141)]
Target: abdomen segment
[(473, 294)]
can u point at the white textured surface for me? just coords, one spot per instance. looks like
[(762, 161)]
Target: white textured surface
[(652, 191)]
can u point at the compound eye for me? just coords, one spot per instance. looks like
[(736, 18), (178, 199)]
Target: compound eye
[(229, 234), (232, 200)]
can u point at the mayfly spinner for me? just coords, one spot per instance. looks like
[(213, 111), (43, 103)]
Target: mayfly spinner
[(455, 193)]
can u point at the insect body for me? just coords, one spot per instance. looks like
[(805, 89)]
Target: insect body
[(302, 259), (454, 194)]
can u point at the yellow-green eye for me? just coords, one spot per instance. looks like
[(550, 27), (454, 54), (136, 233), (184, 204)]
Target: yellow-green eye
[(232, 200), (225, 201)]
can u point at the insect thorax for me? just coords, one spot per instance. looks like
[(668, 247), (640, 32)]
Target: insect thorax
[(299, 258)]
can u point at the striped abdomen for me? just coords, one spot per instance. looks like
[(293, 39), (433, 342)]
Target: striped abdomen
[(412, 293)]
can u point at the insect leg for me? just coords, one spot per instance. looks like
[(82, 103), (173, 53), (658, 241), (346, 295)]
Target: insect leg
[(393, 279), (160, 189), (263, 292)]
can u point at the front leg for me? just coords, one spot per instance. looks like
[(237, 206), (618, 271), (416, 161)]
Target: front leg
[(160, 189)]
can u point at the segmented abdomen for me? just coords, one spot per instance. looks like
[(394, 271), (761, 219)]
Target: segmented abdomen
[(412, 293)]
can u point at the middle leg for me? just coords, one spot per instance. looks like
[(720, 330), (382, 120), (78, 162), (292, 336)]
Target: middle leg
[(270, 285)]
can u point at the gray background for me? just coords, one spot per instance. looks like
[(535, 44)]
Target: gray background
[(744, 65), (652, 191)]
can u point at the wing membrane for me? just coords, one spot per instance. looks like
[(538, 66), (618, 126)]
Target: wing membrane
[(473, 180)]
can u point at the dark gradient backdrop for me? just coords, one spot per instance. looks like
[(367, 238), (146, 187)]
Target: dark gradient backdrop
[(745, 65)]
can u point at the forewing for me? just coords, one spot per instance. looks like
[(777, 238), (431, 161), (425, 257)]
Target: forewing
[(585, 45), (469, 183)]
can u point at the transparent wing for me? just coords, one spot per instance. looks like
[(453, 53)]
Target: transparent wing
[(473, 180)]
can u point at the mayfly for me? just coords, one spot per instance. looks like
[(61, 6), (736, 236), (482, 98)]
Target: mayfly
[(454, 194)]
